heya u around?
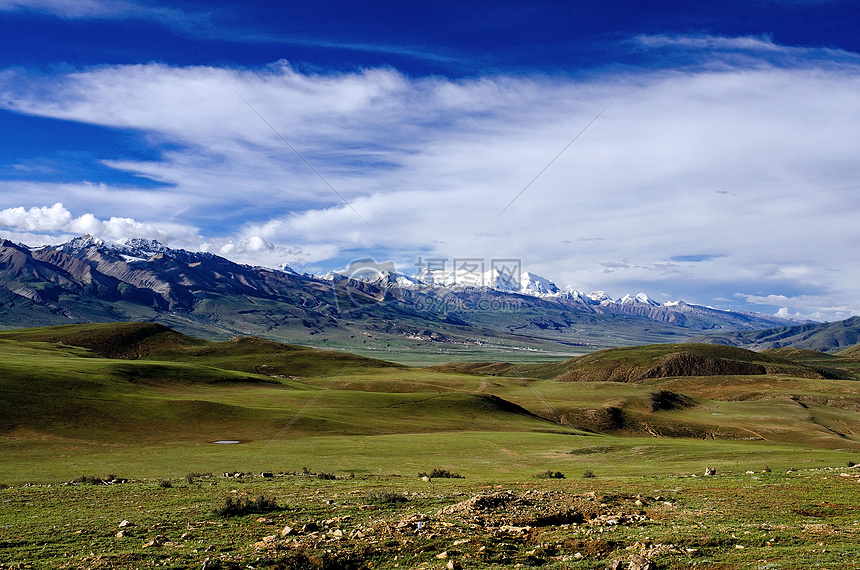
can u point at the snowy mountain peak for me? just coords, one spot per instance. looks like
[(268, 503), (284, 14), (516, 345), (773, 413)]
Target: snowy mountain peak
[(536, 285), (599, 296), (388, 278), (80, 243), (502, 281), (639, 298), (140, 247)]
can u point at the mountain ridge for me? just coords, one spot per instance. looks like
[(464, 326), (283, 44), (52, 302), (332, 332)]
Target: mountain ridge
[(823, 337), (89, 280)]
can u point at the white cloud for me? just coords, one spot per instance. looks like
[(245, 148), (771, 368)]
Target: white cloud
[(764, 300), (755, 165), (20, 224), (45, 218)]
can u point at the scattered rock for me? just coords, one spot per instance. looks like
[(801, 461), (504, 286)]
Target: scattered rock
[(453, 565), (641, 563), (709, 471), (124, 524), (310, 527), (157, 541), (209, 564), (533, 508), (615, 565), (288, 531), (121, 534)]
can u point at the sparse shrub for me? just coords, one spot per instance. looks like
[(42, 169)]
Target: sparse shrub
[(194, 475), (321, 475), (4, 486), (389, 497), (165, 483), (238, 506), (441, 474), (549, 474), (91, 479), (589, 474)]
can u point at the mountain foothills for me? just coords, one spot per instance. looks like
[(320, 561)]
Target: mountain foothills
[(89, 280), (104, 386)]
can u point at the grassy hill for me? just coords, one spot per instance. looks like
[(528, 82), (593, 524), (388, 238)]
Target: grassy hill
[(146, 400), (852, 352), (150, 341), (639, 363)]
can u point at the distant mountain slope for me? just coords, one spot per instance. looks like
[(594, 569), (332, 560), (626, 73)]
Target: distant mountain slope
[(89, 281), (676, 313), (823, 337)]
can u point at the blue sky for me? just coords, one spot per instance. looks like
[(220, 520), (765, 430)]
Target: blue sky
[(721, 166)]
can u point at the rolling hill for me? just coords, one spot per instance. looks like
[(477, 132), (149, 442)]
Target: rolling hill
[(111, 390)]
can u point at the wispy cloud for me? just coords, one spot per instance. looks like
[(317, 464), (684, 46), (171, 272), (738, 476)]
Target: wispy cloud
[(105, 9), (214, 24), (750, 51)]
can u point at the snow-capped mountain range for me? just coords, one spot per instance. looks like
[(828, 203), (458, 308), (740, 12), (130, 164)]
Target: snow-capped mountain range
[(527, 284), (90, 280)]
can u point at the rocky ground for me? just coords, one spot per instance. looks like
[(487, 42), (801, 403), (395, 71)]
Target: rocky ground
[(527, 528), (746, 520)]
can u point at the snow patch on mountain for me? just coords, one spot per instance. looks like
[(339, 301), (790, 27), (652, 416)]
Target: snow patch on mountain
[(599, 296), (638, 298), (285, 268), (536, 285)]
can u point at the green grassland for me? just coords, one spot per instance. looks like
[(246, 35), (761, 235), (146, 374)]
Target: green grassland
[(145, 403), (145, 400)]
